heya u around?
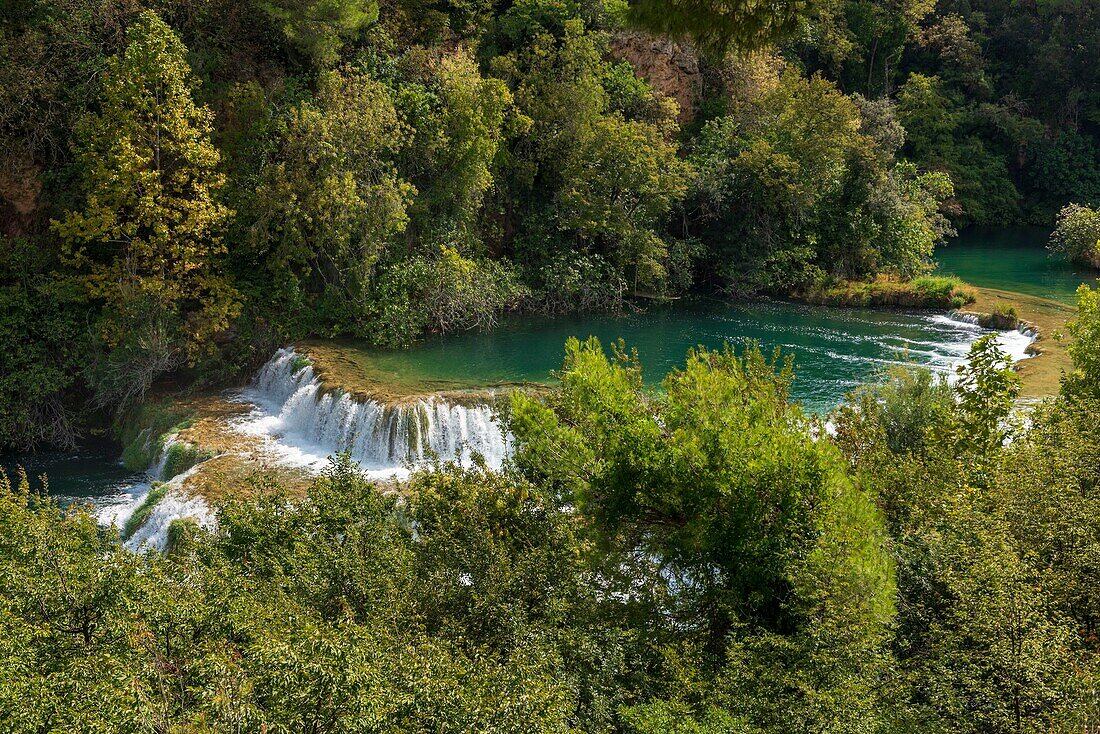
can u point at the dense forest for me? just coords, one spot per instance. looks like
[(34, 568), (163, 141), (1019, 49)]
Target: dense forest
[(186, 185), (700, 560)]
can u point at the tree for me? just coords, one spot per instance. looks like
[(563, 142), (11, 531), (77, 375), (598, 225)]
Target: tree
[(986, 640), (319, 28), (331, 202), (1085, 347), (936, 139), (1077, 234), (622, 181), (738, 26), (148, 239), (795, 185), (737, 535), (457, 123)]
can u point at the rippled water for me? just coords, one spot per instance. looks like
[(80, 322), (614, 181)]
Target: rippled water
[(835, 349)]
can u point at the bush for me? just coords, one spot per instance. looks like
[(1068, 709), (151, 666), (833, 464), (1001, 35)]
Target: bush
[(578, 283), (1077, 235), (926, 291), (1003, 317), (441, 295)]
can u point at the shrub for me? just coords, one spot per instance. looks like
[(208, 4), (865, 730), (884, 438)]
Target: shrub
[(1078, 234), (1002, 317), (926, 291), (941, 289)]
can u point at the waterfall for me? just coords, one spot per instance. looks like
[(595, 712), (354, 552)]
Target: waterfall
[(308, 423), (1015, 342), (175, 503)]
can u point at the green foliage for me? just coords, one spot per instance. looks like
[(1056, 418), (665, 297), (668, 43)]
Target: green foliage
[(698, 559), (332, 199), (793, 187), (984, 190), (143, 432), (925, 291), (1077, 235), (986, 638), (1002, 317), (457, 122), (443, 294), (740, 524), (181, 456), (720, 27), (942, 289), (40, 326), (318, 28), (337, 148), (146, 240), (1085, 347), (624, 178)]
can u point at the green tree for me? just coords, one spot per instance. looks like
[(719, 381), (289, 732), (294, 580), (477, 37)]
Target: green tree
[(331, 202), (621, 182), (148, 239), (1077, 235), (795, 185), (1084, 348), (730, 519), (738, 26), (319, 28), (456, 120), (936, 138)]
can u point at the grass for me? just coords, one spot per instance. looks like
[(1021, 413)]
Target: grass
[(1003, 316), (143, 432), (141, 514), (926, 291), (181, 457)]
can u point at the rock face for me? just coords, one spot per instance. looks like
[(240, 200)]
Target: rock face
[(670, 68)]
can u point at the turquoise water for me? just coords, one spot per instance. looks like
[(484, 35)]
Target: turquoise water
[(835, 349), (1013, 259), (91, 471)]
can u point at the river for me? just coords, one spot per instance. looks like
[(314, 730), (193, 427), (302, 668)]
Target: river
[(835, 349)]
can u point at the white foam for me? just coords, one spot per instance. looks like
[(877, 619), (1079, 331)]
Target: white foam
[(303, 425)]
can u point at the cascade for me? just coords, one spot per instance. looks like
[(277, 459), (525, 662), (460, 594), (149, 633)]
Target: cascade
[(310, 423)]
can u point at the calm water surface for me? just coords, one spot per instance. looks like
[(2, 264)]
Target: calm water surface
[(92, 472), (1013, 259)]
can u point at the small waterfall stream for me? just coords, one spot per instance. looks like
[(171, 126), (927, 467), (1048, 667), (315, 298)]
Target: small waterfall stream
[(306, 423)]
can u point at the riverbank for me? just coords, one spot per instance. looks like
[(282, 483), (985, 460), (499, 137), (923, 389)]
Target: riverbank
[(1041, 375), (923, 292)]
